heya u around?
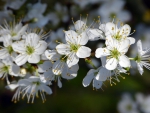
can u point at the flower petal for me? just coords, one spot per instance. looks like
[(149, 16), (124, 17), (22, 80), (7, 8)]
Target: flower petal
[(52, 55), (71, 37), (79, 25), (72, 59), (124, 61), (32, 39), (140, 68), (83, 52), (111, 64), (132, 40), (124, 46), (19, 46), (126, 29), (46, 89), (88, 78), (47, 65), (95, 34), (40, 47), (97, 84), (14, 70), (63, 49), (21, 59), (100, 52), (34, 58), (83, 38), (103, 74)]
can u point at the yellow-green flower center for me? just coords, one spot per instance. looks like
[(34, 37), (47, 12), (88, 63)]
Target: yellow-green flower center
[(74, 47), (5, 69), (137, 58), (36, 83), (117, 36), (29, 50), (10, 49), (13, 33), (115, 53)]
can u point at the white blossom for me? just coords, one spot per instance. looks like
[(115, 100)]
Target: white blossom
[(127, 105), (115, 52), (14, 30), (74, 48), (114, 8), (7, 50), (143, 57), (29, 49), (7, 67), (31, 88)]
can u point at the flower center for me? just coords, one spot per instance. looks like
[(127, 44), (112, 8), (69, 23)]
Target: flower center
[(10, 49), (74, 47), (5, 69), (115, 53), (137, 58), (36, 83), (29, 50), (13, 33), (117, 36)]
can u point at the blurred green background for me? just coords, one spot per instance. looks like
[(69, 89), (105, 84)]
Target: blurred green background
[(73, 97)]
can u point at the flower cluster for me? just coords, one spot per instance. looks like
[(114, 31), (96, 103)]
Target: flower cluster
[(128, 105), (25, 55)]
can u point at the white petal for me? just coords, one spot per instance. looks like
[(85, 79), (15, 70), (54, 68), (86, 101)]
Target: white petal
[(100, 52), (103, 61), (24, 82), (59, 83), (58, 67), (21, 59), (40, 47), (83, 38), (32, 39), (103, 74), (95, 34), (88, 78), (71, 72), (52, 55), (139, 46), (7, 40), (111, 64), (97, 84), (23, 29), (124, 61), (140, 68), (132, 40), (14, 70), (79, 25), (19, 46), (34, 58), (12, 86), (47, 65), (63, 49), (111, 28), (72, 59), (71, 36), (83, 52), (125, 30), (124, 46), (46, 89), (4, 53), (102, 27)]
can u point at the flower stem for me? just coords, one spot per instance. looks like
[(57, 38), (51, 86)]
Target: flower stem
[(89, 61), (131, 58)]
